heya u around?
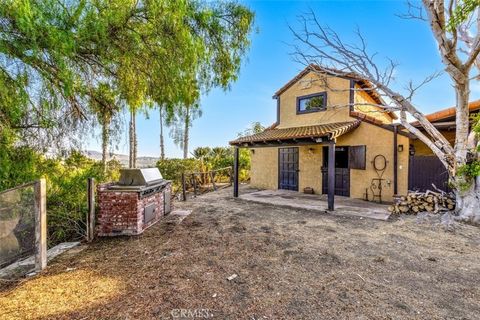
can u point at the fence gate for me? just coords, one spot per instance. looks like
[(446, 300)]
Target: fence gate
[(425, 170)]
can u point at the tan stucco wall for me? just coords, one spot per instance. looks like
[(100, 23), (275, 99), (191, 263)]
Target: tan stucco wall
[(364, 103), (264, 168), (310, 163), (378, 141), (337, 101), (421, 148)]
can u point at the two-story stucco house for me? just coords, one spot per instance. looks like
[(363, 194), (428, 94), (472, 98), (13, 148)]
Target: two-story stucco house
[(321, 109)]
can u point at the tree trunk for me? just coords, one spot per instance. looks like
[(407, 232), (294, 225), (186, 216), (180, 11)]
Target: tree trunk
[(105, 139), (462, 121), (135, 140), (186, 133), (468, 203), (132, 141), (162, 142)]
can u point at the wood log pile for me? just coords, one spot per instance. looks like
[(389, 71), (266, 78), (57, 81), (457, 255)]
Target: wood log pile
[(429, 201)]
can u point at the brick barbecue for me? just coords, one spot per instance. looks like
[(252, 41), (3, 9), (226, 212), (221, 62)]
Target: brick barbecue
[(136, 202)]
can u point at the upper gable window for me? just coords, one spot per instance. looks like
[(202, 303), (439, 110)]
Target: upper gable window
[(312, 103)]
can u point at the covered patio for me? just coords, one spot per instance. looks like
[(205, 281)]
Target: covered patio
[(295, 200), (323, 134)]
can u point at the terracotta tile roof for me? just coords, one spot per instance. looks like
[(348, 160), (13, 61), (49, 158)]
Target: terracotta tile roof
[(272, 126), (448, 113), (372, 120), (330, 130)]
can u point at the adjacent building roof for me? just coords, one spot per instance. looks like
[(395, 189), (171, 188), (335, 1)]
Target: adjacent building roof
[(449, 113), (328, 130)]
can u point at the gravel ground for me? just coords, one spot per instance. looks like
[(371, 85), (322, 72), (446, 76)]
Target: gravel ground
[(290, 264)]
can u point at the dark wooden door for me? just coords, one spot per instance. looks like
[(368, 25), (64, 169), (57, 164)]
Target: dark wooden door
[(342, 172), (342, 181), (288, 168), (425, 170)]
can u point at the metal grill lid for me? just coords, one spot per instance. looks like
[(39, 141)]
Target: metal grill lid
[(140, 177)]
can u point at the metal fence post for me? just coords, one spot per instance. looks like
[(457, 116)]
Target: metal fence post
[(91, 209), (40, 225)]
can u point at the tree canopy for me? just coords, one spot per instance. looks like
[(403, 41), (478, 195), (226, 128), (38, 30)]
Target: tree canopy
[(58, 58)]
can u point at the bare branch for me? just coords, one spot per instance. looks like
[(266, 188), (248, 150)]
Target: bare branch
[(414, 11), (413, 88)]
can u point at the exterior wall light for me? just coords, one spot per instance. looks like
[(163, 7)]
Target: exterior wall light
[(311, 150), (252, 150), (400, 148)]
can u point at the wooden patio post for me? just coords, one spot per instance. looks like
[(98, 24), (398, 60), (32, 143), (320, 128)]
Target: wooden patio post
[(331, 175), (235, 172), (91, 209), (40, 225)]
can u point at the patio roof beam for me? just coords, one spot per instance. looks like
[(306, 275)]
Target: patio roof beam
[(281, 143)]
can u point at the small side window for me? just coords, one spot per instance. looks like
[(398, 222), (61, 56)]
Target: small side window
[(312, 103)]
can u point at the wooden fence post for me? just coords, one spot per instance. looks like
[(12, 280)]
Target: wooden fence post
[(40, 225), (194, 184), (184, 188), (212, 176), (91, 209)]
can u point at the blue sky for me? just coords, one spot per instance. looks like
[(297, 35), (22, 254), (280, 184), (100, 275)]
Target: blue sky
[(268, 66)]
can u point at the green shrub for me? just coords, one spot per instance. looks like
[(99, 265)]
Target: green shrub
[(172, 169), (66, 187)]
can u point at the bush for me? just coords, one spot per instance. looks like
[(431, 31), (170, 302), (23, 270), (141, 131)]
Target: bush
[(172, 169), (66, 187), (205, 159)]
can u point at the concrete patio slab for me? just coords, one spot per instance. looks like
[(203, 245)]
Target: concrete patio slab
[(296, 200)]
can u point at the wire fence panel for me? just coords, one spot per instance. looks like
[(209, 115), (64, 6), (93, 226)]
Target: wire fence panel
[(17, 224)]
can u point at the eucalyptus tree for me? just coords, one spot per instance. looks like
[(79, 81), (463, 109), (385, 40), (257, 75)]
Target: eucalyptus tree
[(161, 113), (455, 27), (180, 123), (106, 108)]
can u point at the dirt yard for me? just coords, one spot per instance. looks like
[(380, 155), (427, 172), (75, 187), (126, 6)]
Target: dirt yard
[(291, 264)]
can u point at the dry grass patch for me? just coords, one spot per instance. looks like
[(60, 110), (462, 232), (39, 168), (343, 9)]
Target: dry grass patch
[(291, 264)]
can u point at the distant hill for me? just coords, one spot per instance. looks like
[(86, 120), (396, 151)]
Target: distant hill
[(142, 162)]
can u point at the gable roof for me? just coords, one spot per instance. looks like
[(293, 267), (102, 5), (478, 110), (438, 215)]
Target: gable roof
[(363, 83)]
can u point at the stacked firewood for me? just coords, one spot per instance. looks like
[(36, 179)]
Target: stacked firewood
[(429, 201)]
